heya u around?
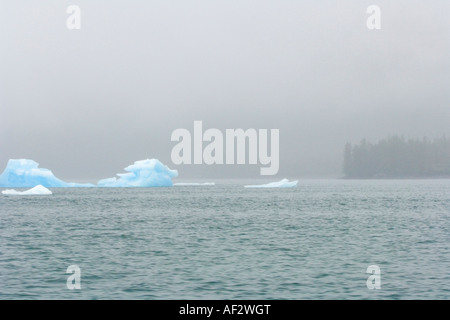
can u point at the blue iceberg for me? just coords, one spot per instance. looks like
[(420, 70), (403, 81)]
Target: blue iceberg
[(143, 173), (285, 183), (25, 173)]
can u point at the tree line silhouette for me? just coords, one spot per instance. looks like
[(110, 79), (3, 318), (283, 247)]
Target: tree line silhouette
[(396, 157)]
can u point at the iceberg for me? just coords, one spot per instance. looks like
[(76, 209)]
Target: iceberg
[(285, 183), (25, 173), (38, 190), (183, 184), (143, 173)]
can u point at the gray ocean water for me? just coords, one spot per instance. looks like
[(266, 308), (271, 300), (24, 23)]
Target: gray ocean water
[(227, 242)]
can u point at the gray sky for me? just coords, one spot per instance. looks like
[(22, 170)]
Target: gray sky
[(86, 103)]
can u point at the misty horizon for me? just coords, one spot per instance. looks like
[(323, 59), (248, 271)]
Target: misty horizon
[(87, 103)]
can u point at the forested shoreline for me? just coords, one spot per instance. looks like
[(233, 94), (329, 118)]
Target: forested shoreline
[(397, 157)]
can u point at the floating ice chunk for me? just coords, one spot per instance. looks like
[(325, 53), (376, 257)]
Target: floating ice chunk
[(183, 184), (80, 185), (144, 173), (38, 190), (285, 183), (25, 173)]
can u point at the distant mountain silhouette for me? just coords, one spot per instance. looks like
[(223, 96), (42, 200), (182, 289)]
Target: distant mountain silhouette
[(396, 157)]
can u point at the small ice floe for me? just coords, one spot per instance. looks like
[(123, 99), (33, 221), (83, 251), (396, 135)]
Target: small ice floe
[(183, 184), (285, 183), (38, 190)]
